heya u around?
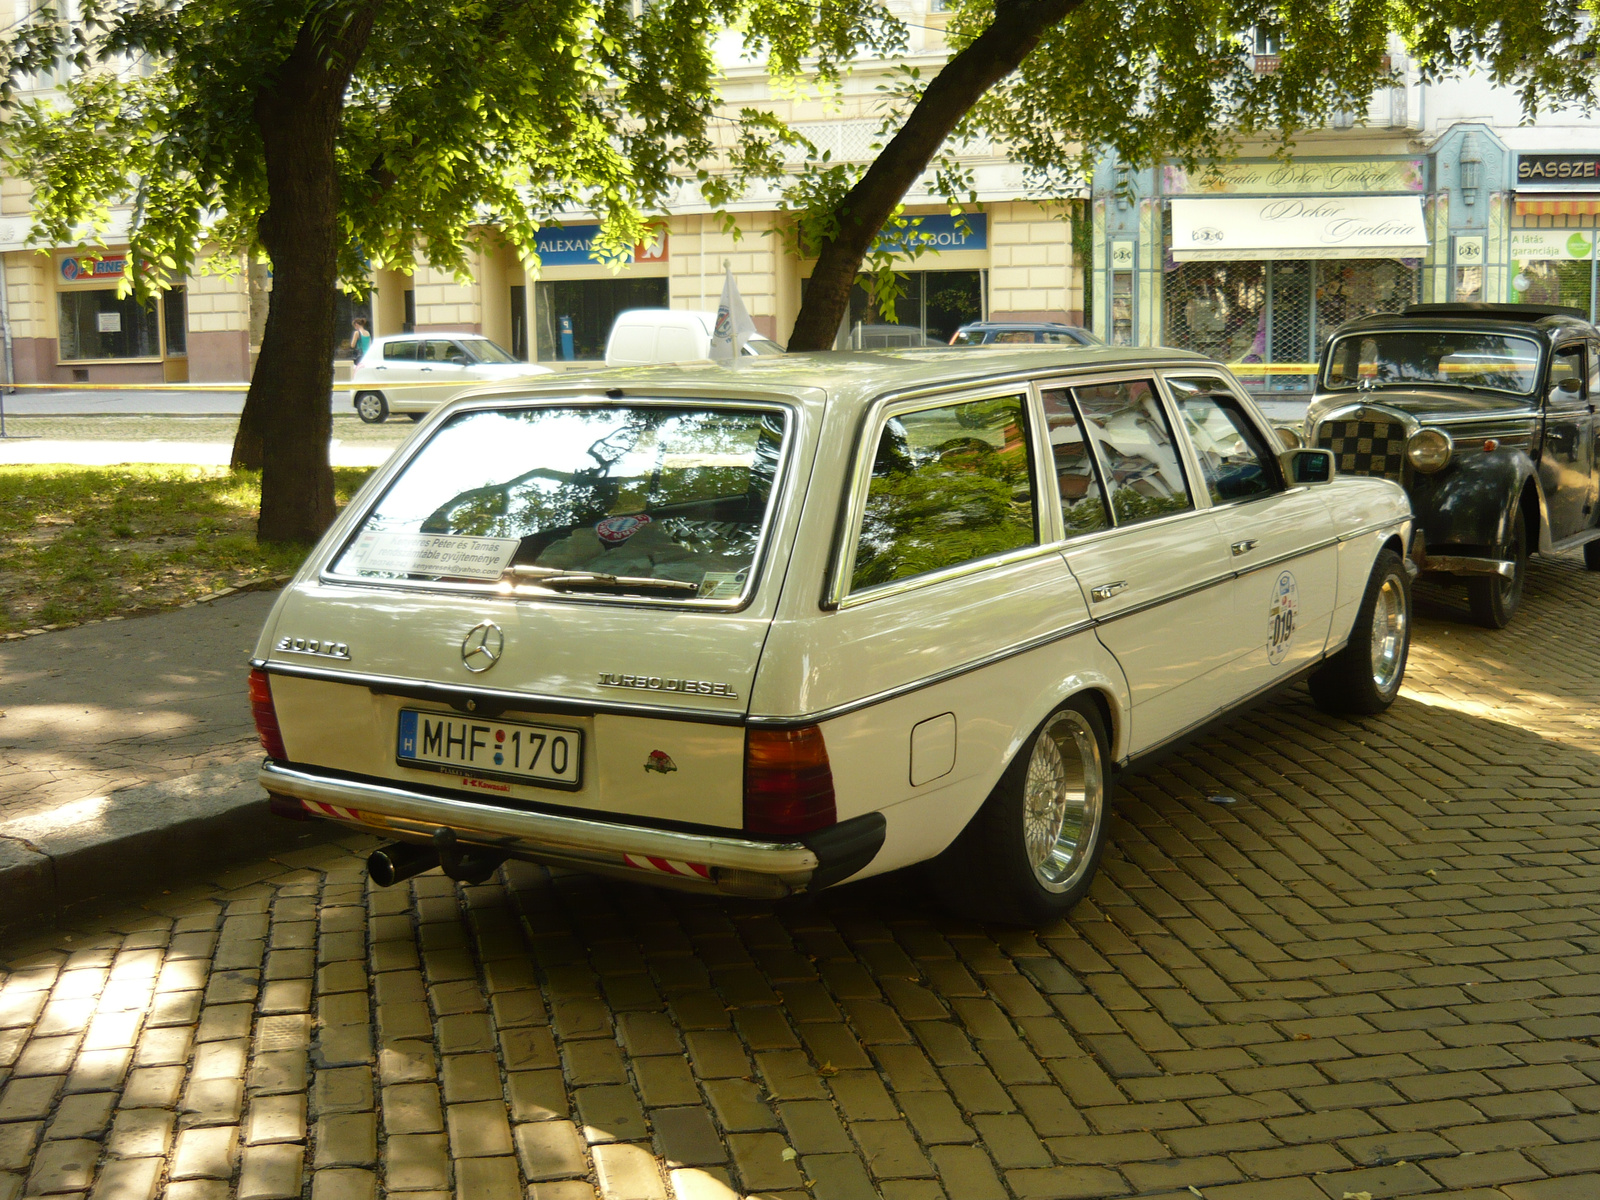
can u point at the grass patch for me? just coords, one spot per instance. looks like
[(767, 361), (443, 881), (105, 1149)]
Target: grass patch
[(80, 543)]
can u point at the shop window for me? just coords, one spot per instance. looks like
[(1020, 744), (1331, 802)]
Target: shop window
[(519, 322), (1281, 312), (573, 317), (175, 321), (1566, 281), (931, 306), (97, 323)]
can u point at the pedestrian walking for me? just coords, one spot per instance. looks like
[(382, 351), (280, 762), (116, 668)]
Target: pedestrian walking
[(360, 338)]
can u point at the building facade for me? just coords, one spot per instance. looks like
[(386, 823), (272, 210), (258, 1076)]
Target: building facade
[(1439, 192)]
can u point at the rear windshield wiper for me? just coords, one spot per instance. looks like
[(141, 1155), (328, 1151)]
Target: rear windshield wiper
[(554, 577)]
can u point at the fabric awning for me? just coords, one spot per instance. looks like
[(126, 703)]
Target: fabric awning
[(1256, 227), (1548, 205)]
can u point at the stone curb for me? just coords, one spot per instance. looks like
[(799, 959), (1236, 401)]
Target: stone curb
[(264, 583), (146, 836)]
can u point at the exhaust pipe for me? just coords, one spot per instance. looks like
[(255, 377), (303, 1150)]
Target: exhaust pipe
[(398, 861)]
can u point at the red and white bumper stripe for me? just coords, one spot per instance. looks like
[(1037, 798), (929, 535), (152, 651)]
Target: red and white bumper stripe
[(666, 866), (331, 810)]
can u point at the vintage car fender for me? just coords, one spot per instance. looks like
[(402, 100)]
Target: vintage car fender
[(1470, 502)]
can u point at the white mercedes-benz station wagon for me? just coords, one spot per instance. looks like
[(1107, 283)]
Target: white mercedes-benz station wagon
[(762, 628)]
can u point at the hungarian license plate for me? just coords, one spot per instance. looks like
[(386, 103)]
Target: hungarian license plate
[(544, 754)]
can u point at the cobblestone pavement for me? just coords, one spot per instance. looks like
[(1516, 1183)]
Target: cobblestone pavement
[(87, 710), (1375, 972)]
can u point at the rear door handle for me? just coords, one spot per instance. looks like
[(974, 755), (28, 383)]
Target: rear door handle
[(1243, 547), (1107, 590)]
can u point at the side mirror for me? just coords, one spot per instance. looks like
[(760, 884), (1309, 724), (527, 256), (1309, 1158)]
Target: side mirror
[(1571, 385), (1307, 465), (459, 360)]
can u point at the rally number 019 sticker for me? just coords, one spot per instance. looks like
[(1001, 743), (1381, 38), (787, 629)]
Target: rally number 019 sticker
[(1282, 611)]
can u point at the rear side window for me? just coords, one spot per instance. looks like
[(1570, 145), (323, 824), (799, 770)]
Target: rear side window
[(1083, 501), (1137, 449), (400, 352), (949, 485)]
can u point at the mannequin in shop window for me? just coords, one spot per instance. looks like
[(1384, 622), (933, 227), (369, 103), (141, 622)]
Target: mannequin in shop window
[(1334, 296)]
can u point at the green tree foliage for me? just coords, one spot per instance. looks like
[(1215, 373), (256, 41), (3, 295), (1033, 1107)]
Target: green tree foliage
[(331, 136), (334, 135)]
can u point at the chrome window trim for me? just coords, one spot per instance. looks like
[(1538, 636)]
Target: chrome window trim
[(927, 681), (791, 410), (882, 410)]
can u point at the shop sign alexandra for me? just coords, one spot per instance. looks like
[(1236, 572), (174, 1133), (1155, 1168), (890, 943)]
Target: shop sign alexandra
[(575, 245), (1224, 230), (1296, 178), (1536, 245)]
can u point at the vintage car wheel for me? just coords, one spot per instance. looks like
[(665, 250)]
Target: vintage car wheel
[(1591, 556), (1364, 677), (1031, 851), (1494, 600), (371, 407)]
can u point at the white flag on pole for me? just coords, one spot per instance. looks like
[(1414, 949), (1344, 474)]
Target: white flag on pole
[(734, 327)]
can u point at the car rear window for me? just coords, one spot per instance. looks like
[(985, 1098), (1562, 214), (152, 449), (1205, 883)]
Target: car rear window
[(580, 499)]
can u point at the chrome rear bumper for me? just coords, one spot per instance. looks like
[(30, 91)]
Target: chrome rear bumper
[(726, 865)]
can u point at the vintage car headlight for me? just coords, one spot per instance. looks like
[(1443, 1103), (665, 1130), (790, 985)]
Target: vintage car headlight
[(1290, 437), (1429, 450)]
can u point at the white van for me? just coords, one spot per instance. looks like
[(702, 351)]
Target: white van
[(641, 336)]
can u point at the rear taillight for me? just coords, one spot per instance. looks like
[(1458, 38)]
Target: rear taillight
[(788, 784), (266, 716)]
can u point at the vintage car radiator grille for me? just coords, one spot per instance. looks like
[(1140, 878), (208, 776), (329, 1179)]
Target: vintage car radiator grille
[(1365, 446)]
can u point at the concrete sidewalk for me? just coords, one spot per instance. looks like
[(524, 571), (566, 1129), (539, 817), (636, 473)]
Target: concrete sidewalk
[(125, 747)]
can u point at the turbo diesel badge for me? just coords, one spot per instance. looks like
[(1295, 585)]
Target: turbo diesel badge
[(655, 683)]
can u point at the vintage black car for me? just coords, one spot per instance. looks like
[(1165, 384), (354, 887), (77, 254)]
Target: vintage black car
[(1485, 414)]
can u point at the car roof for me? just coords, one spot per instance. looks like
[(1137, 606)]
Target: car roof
[(856, 376), (1548, 322)]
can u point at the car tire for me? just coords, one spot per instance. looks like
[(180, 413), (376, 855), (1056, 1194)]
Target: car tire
[(416, 418), (1364, 677), (1031, 851), (1591, 556), (1494, 601), (371, 407)]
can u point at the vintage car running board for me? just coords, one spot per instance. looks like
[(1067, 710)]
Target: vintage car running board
[(1461, 564)]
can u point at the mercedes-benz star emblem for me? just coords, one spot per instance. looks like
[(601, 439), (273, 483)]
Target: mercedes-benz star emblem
[(482, 646)]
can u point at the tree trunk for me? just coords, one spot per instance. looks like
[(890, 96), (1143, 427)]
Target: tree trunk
[(994, 54), (287, 420)]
